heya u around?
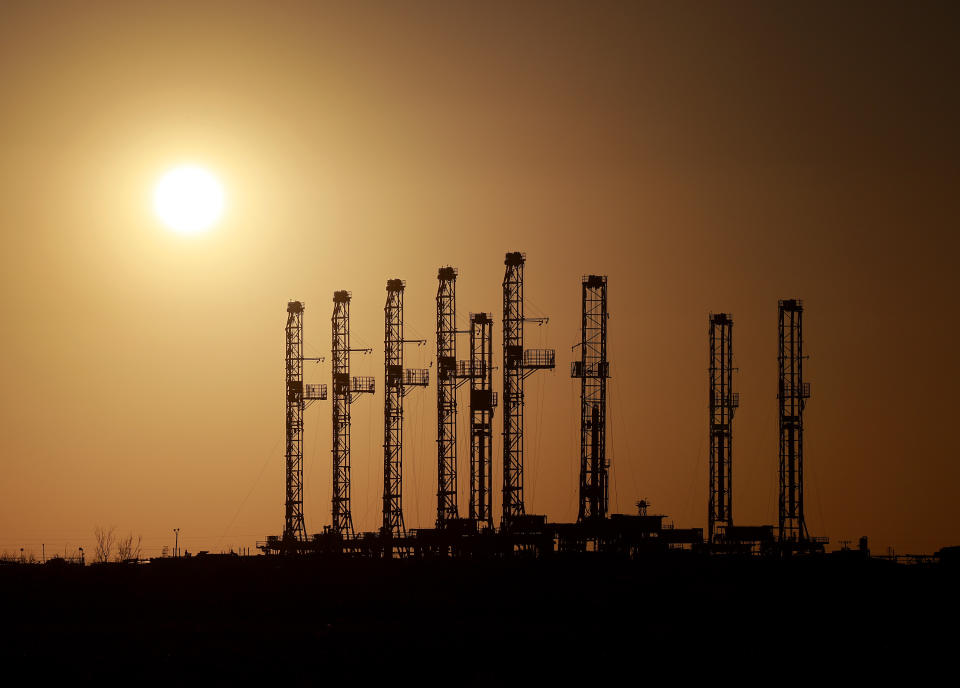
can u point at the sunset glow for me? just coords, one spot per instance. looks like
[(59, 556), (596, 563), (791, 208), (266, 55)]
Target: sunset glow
[(188, 200)]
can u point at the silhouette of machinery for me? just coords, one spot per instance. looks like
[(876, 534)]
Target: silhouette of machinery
[(483, 400), (723, 403), (593, 369), (475, 535), (399, 383), (298, 397), (447, 384), (518, 364), (792, 395), (346, 390)]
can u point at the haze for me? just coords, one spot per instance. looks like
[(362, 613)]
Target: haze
[(704, 157)]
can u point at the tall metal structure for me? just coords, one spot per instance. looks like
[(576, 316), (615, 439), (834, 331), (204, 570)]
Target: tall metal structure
[(518, 364), (398, 381), (483, 400), (346, 389), (723, 402), (593, 369), (298, 396), (447, 384), (792, 395)]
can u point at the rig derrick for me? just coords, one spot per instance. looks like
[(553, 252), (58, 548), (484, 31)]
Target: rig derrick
[(723, 402), (448, 381), (399, 382), (346, 390), (518, 364), (593, 369), (298, 397), (483, 401), (792, 396)]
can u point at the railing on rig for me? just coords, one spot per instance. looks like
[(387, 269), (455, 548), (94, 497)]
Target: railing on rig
[(314, 392), (539, 358), (416, 377)]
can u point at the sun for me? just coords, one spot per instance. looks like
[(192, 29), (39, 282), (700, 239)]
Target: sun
[(188, 199)]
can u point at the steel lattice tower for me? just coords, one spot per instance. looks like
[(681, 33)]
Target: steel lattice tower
[(297, 397), (723, 403), (593, 370), (482, 402), (792, 395), (397, 381), (345, 391), (447, 384), (517, 365)]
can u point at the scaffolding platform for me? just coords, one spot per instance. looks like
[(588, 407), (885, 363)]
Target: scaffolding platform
[(416, 377), (315, 392), (538, 359)]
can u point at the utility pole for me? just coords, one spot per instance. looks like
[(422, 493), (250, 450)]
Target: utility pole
[(518, 364), (723, 403), (398, 380), (593, 369), (346, 389)]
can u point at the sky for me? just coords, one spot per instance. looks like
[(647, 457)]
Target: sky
[(706, 157)]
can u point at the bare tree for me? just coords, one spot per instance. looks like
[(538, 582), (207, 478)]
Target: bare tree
[(123, 548), (127, 548), (105, 542)]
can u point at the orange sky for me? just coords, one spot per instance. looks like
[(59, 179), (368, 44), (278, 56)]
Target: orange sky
[(705, 158)]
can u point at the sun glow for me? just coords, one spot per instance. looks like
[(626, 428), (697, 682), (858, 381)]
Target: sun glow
[(188, 199)]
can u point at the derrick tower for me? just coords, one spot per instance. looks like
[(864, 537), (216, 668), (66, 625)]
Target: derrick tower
[(792, 395), (346, 389), (482, 402), (723, 402), (593, 369), (398, 382), (447, 384), (518, 364), (298, 396)]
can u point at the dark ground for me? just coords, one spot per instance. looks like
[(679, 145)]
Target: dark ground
[(479, 623)]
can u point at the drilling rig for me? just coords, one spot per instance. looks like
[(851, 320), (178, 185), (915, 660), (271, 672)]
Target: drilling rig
[(447, 383), (399, 382), (593, 369), (792, 395), (723, 402), (483, 400), (518, 364), (298, 397), (346, 390)]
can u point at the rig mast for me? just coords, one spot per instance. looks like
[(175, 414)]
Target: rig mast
[(723, 402), (792, 395), (297, 398), (593, 369), (447, 384), (345, 392), (397, 382), (517, 365), (482, 402)]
